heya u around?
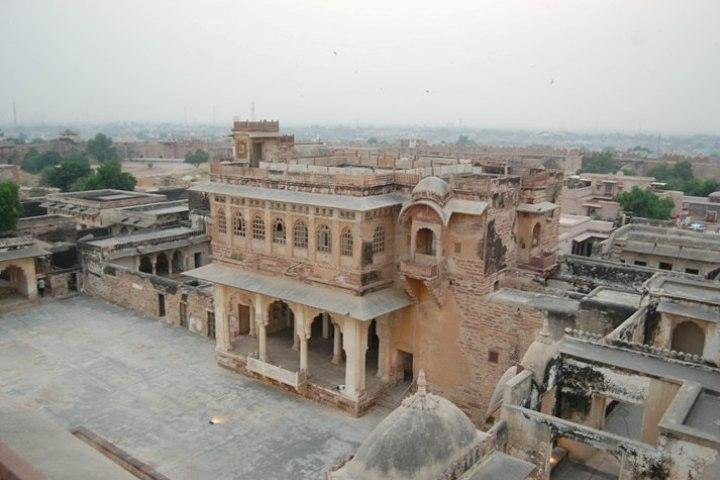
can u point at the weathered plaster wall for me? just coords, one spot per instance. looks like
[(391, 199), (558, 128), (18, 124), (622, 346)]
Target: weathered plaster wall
[(139, 292)]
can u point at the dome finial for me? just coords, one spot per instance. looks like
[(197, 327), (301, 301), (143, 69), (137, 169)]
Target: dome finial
[(421, 384)]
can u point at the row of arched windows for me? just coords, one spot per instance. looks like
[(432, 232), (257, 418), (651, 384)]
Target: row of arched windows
[(300, 234)]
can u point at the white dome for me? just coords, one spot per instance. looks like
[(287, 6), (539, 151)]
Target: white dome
[(538, 356), (419, 440), (497, 396), (433, 187)]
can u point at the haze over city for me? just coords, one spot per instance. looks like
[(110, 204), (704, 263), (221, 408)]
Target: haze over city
[(378, 240), (572, 65)]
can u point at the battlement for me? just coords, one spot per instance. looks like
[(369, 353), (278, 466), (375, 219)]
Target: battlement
[(256, 126)]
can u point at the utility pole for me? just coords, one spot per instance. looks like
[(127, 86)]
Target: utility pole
[(14, 115), (252, 110)]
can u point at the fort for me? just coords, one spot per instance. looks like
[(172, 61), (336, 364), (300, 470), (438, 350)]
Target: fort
[(407, 292)]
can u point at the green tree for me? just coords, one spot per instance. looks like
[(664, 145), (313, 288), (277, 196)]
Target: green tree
[(464, 140), (101, 148), (10, 206), (197, 157), (600, 162), (108, 175), (641, 202), (683, 171), (69, 171), (34, 162), (680, 177), (701, 188)]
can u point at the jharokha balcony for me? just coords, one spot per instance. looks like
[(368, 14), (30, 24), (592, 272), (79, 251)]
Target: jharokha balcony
[(420, 266)]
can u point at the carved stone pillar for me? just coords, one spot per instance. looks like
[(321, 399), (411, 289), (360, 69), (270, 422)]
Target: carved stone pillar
[(252, 326), (296, 336), (303, 354), (261, 322), (382, 329), (337, 352), (325, 325), (302, 334), (222, 329), (355, 344)]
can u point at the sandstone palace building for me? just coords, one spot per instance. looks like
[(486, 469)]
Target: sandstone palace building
[(340, 278)]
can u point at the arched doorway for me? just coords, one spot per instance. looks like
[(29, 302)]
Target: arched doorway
[(425, 242), (145, 265), (373, 351), (280, 317), (688, 337), (177, 262), (322, 337), (162, 266), (535, 235), (13, 282)]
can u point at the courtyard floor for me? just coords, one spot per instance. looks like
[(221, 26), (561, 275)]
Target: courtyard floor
[(151, 389)]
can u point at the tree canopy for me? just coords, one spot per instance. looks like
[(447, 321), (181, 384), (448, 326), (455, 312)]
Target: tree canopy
[(680, 177), (34, 161), (197, 157), (464, 140), (101, 148), (642, 202), (69, 171), (108, 175), (600, 162), (10, 206)]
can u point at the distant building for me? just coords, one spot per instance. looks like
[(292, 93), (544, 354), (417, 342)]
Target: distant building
[(595, 194), (664, 248), (96, 208), (260, 141), (578, 234)]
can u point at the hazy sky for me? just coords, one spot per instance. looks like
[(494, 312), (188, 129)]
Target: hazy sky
[(578, 65)]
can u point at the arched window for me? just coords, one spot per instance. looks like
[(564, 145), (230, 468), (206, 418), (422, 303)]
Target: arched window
[(258, 228), (177, 262), (346, 243), (425, 242), (278, 235), (145, 264), (162, 265), (300, 235), (535, 235), (324, 239), (378, 244), (221, 220), (239, 225)]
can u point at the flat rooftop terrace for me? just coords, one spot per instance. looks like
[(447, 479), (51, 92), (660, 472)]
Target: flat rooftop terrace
[(151, 389)]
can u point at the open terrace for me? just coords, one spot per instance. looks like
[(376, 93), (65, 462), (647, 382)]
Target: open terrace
[(152, 389)]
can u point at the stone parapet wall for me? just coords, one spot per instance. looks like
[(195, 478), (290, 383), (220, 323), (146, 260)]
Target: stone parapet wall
[(306, 390), (139, 292), (592, 272)]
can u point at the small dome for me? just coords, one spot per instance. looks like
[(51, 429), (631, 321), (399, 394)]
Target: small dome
[(497, 396), (538, 356), (419, 440), (432, 186)]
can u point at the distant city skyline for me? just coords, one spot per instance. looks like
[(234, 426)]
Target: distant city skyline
[(577, 66)]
